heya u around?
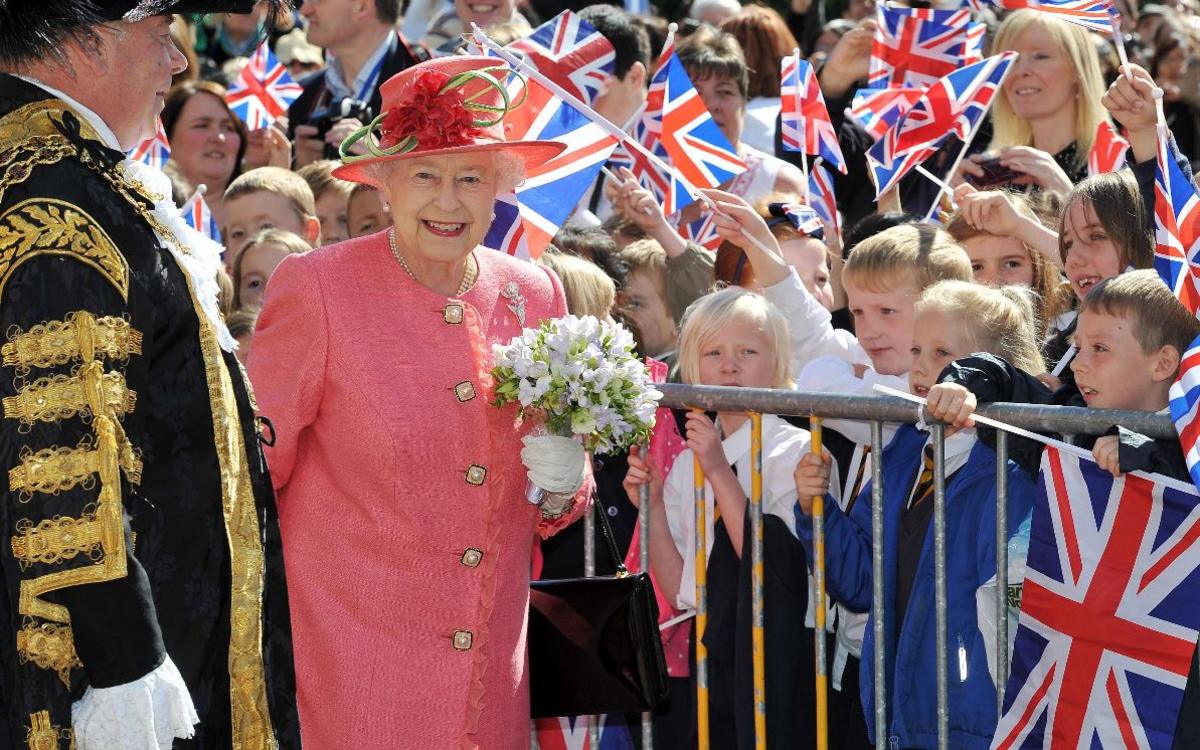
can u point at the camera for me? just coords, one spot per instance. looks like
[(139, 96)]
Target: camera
[(324, 119)]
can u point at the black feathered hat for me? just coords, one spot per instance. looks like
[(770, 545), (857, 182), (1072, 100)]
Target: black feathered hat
[(36, 29)]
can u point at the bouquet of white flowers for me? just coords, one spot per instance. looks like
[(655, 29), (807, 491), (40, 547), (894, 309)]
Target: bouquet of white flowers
[(581, 377)]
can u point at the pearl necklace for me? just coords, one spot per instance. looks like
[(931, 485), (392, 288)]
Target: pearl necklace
[(469, 275)]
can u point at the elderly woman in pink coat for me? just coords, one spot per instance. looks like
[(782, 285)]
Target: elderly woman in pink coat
[(403, 503)]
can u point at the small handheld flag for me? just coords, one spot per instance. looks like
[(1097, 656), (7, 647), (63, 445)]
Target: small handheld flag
[(264, 90)]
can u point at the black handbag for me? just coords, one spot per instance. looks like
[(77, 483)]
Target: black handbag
[(594, 646)]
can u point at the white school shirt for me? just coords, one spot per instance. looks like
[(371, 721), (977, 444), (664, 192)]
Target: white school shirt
[(810, 328), (783, 445)]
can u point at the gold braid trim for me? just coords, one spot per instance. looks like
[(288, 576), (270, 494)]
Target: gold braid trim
[(57, 539), (60, 397), (49, 646), (58, 342), (48, 226), (31, 140), (42, 735), (54, 470), (109, 521)]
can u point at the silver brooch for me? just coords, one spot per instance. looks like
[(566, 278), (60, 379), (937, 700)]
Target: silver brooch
[(516, 302)]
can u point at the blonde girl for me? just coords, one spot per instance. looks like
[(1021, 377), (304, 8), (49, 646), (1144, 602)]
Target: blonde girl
[(737, 338)]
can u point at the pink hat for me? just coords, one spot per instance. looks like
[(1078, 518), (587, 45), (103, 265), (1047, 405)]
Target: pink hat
[(447, 105)]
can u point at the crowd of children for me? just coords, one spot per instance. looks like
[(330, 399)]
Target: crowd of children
[(1032, 291)]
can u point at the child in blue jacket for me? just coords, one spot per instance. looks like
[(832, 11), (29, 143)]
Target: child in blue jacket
[(953, 319)]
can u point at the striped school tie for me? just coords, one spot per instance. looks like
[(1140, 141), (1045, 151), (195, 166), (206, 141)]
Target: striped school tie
[(924, 486)]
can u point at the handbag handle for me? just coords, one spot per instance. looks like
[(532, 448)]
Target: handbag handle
[(607, 532)]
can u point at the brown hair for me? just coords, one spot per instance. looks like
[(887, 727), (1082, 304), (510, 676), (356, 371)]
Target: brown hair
[(294, 244), (320, 179), (1047, 280), (178, 97), (709, 52), (648, 257), (1117, 203), (922, 253), (765, 38), (1159, 318), (279, 181)]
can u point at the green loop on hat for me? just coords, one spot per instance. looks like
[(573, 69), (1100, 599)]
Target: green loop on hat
[(370, 136), (374, 151)]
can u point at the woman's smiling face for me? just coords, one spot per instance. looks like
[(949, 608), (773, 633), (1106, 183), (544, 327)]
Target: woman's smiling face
[(1043, 80)]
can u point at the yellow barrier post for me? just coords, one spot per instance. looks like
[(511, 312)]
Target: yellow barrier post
[(701, 604), (758, 645), (818, 516)]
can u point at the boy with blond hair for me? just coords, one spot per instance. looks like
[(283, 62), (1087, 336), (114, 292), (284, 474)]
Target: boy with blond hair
[(266, 198)]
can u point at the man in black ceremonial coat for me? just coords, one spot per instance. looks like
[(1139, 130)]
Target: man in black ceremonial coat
[(144, 595)]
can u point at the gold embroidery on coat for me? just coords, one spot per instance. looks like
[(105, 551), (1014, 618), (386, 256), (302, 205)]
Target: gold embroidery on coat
[(60, 397), (251, 719), (58, 342), (47, 226), (110, 527), (49, 646), (57, 539), (31, 140), (42, 735), (54, 470)]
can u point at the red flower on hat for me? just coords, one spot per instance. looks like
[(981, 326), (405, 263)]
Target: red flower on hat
[(435, 118)]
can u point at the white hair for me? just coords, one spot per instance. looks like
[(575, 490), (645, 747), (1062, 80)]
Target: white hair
[(723, 8)]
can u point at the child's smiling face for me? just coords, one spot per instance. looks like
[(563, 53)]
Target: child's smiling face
[(883, 323)]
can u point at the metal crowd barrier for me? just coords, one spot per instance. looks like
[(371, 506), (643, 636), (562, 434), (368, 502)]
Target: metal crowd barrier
[(877, 410)]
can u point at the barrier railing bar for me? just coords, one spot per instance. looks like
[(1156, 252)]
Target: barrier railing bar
[(938, 433), (1061, 419), (644, 565), (757, 639), (1001, 568), (589, 571), (882, 730), (818, 519), (702, 734)]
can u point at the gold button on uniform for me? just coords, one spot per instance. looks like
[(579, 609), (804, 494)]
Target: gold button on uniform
[(472, 557), (452, 313), (476, 474), (464, 391), (463, 639)]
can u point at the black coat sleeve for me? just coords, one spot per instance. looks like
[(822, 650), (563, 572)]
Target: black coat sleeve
[(72, 372), (1136, 452)]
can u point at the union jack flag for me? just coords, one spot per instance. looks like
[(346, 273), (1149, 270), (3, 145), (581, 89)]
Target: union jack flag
[(952, 106), (804, 219), (1094, 15), (507, 232), (571, 733), (697, 148), (876, 110), (822, 198), (1185, 407), (804, 119), (155, 150), (671, 194), (702, 231), (571, 53), (1176, 228), (264, 90), (911, 50), (1108, 150), (198, 216), (1109, 618)]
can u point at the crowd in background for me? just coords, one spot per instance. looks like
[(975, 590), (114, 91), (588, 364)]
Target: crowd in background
[(1035, 271)]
